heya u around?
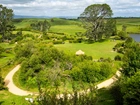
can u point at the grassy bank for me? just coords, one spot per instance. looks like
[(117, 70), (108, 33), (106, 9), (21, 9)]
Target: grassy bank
[(96, 50)]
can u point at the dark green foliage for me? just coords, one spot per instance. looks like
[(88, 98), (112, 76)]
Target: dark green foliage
[(115, 90), (131, 60), (24, 50), (1, 50), (6, 26), (97, 20), (58, 42), (42, 26), (118, 58), (1, 82), (123, 35), (124, 46), (55, 65), (54, 97), (130, 83), (131, 90), (91, 72), (110, 28)]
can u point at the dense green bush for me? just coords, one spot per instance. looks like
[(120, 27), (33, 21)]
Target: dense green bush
[(1, 82), (91, 72), (58, 42), (130, 90), (117, 58), (123, 35), (56, 64)]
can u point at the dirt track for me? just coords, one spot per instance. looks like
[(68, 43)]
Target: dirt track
[(17, 91), (11, 86)]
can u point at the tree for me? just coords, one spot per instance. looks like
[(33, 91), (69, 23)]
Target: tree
[(131, 90), (6, 26), (124, 27), (42, 26), (110, 28), (96, 18), (46, 26), (131, 60), (123, 35)]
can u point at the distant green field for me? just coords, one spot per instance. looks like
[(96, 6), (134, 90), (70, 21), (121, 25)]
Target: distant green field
[(72, 26), (67, 29), (133, 24), (96, 50)]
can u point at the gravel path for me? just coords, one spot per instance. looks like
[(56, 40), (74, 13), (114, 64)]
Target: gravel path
[(108, 82), (17, 91), (11, 86)]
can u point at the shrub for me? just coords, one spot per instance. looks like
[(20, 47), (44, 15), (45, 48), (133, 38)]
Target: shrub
[(123, 35), (2, 83), (58, 42), (79, 40), (117, 58)]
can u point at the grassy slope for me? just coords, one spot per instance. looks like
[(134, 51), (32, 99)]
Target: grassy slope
[(96, 50), (59, 25), (133, 24), (7, 98), (67, 29), (6, 56)]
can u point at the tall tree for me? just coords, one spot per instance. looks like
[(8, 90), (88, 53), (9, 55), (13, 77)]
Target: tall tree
[(96, 18), (6, 16), (42, 26)]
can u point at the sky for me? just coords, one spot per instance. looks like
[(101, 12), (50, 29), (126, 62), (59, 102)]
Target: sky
[(123, 8)]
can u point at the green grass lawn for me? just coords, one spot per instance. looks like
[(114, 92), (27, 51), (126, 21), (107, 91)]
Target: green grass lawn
[(6, 57), (72, 26), (96, 50), (7, 98), (66, 29)]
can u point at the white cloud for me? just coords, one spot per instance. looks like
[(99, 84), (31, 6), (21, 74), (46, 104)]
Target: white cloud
[(69, 7)]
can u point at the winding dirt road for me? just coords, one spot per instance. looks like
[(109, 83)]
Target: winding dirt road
[(11, 86), (17, 91)]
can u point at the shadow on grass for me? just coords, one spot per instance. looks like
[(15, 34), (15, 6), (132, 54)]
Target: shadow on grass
[(1, 102), (105, 97), (92, 41)]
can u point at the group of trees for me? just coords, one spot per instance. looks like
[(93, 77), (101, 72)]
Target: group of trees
[(6, 26), (129, 84), (44, 65), (55, 65), (42, 26), (98, 22), (96, 18), (131, 71)]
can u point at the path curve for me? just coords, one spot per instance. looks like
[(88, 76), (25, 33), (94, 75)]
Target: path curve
[(17, 91), (11, 86)]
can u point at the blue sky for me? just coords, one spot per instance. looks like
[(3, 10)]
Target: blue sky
[(122, 8)]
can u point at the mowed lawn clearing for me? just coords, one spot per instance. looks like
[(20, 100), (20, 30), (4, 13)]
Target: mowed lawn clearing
[(67, 29), (96, 50)]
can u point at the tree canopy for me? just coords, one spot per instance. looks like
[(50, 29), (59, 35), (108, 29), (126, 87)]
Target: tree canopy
[(6, 16), (42, 26), (97, 20)]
